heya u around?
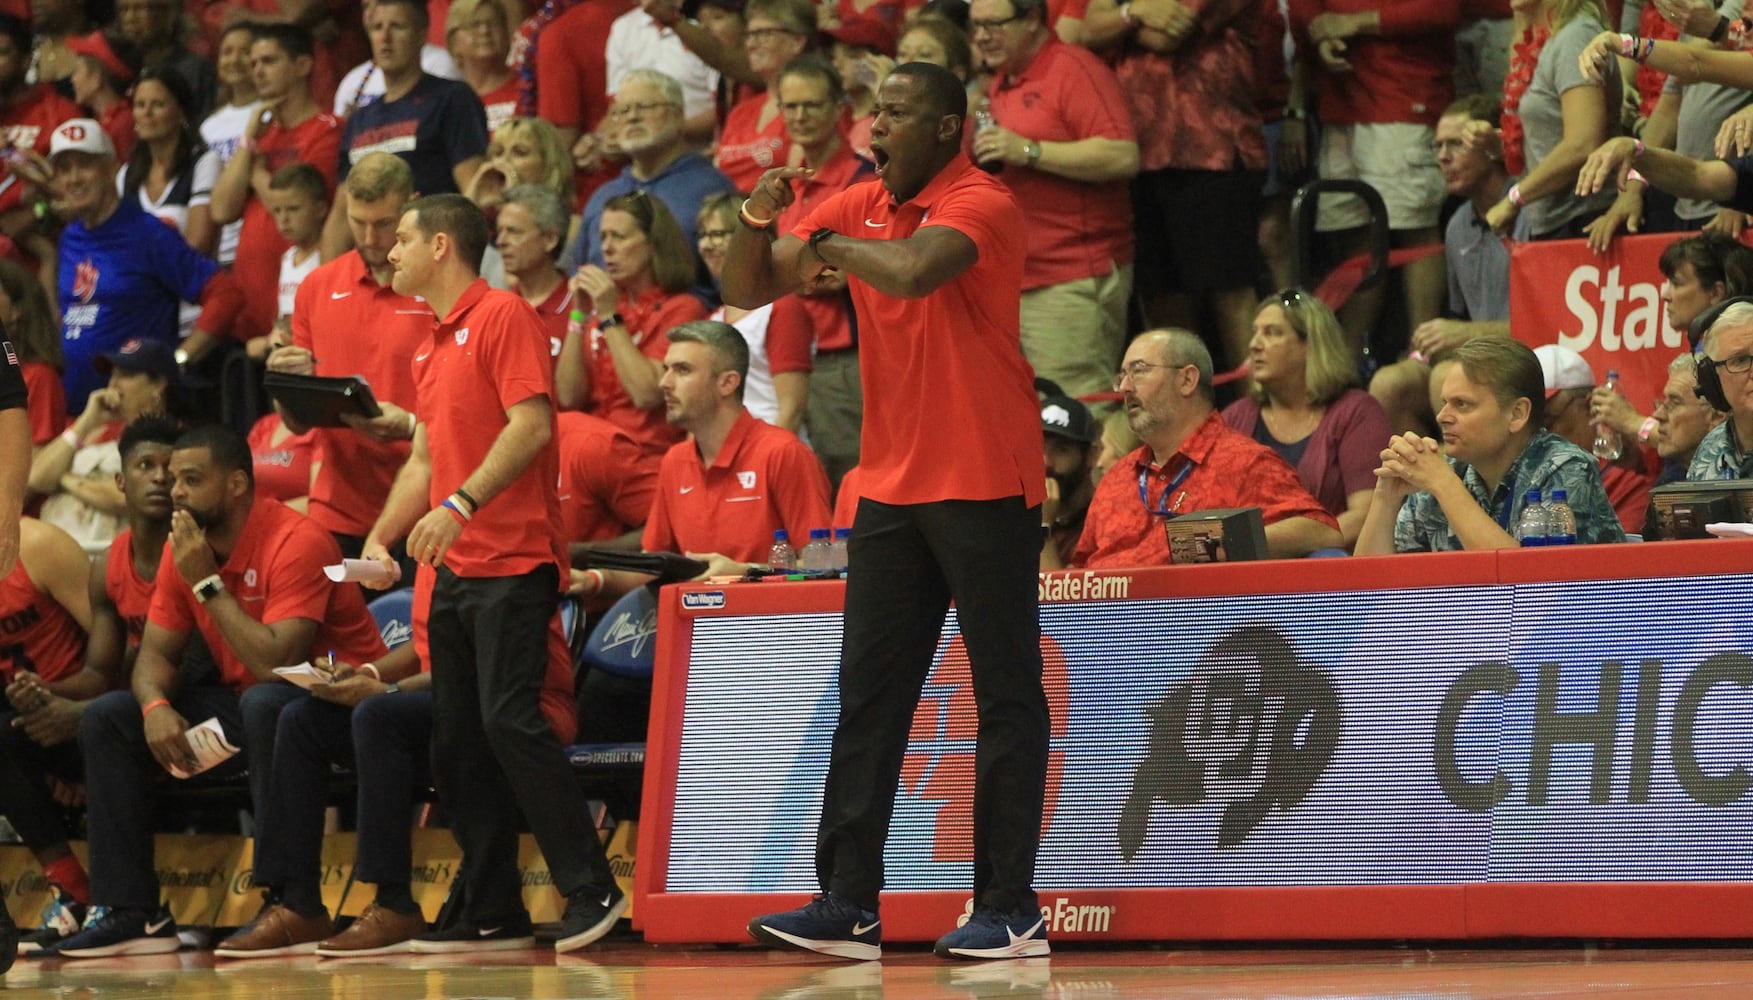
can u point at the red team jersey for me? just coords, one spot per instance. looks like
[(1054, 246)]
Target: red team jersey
[(36, 633)]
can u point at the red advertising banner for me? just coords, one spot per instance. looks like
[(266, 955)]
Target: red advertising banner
[(1607, 307)]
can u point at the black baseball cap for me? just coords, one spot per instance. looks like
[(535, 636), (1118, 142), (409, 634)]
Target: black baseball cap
[(139, 354)]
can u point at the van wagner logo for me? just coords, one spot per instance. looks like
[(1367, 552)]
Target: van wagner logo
[(1252, 725)]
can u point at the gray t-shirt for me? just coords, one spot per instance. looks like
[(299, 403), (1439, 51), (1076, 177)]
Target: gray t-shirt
[(1543, 121), (1479, 266), (1703, 106)]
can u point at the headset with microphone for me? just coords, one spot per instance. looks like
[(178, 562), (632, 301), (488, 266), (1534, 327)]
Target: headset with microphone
[(1710, 382)]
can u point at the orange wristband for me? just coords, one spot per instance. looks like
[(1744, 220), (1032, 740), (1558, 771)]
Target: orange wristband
[(147, 708)]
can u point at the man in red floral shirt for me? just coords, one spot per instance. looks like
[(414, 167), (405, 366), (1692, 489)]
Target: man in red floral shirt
[(1188, 71), (1190, 460)]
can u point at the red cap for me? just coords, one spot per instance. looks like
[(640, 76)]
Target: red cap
[(98, 47), (865, 32)]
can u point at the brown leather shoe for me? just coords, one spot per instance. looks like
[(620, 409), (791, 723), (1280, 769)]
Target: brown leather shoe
[(378, 931), (276, 931)]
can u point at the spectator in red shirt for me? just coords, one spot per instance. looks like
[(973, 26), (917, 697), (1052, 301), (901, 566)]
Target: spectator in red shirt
[(638, 295), (29, 324), (478, 503), (532, 227), (753, 138), (249, 576), (102, 79), (290, 128), (1190, 460), (1385, 71), (864, 53), (28, 112), (42, 742), (1628, 480), (1063, 142), (951, 505), (478, 35), (1188, 71), (810, 100), (723, 492), (522, 151)]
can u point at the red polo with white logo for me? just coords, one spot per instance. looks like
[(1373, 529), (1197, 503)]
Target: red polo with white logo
[(275, 571), (488, 355), (763, 479), (607, 482), (355, 326)]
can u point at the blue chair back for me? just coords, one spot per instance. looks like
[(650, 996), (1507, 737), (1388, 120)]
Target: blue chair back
[(624, 643), (394, 612)]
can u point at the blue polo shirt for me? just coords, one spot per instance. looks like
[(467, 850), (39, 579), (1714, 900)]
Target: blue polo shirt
[(682, 187)]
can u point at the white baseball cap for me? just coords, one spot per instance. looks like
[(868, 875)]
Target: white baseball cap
[(1563, 368), (81, 135)]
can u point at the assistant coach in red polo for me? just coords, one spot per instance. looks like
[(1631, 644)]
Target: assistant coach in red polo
[(951, 461), (478, 503)]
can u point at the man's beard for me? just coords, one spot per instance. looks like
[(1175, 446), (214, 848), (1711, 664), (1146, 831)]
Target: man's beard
[(206, 520)]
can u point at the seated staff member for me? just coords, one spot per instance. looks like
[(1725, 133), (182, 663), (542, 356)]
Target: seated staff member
[(249, 576), (1190, 460), (725, 490), (376, 720), (1494, 400), (44, 742)]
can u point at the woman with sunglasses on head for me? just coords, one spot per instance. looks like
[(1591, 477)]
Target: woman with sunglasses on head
[(610, 365), (1306, 402)]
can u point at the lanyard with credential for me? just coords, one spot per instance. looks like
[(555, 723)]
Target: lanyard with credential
[(1162, 508)]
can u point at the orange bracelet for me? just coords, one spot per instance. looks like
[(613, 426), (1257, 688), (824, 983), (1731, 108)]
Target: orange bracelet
[(147, 708)]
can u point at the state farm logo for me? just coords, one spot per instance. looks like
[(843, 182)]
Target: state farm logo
[(938, 769), (1252, 726)]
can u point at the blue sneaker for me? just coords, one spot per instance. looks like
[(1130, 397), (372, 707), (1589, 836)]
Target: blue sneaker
[(829, 924), (989, 934), (121, 932)]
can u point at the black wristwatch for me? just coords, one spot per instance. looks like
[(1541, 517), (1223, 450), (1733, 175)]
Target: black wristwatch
[(816, 239), (612, 319), (209, 588)]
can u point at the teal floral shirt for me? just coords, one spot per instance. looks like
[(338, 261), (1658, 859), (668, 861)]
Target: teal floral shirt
[(1719, 456), (1548, 463)]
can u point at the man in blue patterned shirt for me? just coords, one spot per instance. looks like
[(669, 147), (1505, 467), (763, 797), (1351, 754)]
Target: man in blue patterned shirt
[(1491, 418), (1729, 343)]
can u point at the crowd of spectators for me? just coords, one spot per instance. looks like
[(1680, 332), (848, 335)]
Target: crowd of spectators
[(190, 194)]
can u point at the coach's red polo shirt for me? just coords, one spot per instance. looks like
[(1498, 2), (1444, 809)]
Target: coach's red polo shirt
[(488, 355), (276, 573), (949, 402), (763, 479), (606, 482), (355, 326)]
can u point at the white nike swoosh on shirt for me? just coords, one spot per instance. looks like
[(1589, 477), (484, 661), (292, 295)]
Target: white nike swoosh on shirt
[(687, 489), (339, 295), (876, 225)]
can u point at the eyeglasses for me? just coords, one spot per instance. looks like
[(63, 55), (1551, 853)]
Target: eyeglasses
[(1737, 364), (622, 112), (809, 108), (1136, 371), (768, 34), (995, 24), (715, 235)]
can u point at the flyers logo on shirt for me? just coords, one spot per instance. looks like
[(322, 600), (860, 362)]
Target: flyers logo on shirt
[(747, 479), (85, 280), (462, 336)]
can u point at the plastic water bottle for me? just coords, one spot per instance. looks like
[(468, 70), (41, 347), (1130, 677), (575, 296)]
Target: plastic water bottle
[(1531, 527), (1560, 520), (781, 557), (816, 557), (837, 551), (983, 120), (1608, 444)]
